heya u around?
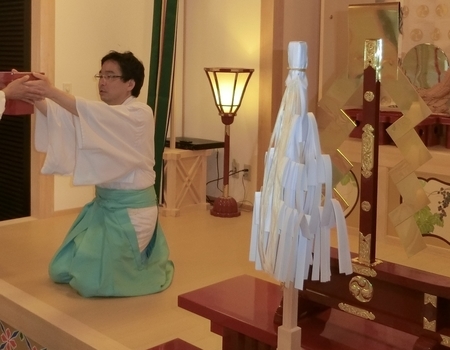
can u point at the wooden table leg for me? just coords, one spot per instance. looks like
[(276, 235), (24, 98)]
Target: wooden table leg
[(232, 340)]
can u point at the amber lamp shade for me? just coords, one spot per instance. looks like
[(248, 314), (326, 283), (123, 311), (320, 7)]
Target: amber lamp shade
[(228, 87)]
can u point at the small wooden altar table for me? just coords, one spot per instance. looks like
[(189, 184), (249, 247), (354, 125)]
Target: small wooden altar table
[(242, 309), (185, 180)]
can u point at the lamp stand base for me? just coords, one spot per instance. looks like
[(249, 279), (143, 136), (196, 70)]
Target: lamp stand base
[(225, 207)]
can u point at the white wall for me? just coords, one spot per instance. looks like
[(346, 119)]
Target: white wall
[(222, 34), (86, 30), (215, 33)]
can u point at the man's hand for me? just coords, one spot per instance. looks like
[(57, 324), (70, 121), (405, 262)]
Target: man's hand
[(41, 85), (19, 90)]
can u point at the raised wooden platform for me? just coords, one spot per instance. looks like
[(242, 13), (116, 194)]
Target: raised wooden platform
[(56, 317)]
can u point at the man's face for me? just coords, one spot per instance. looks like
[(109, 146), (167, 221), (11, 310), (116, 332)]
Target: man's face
[(112, 89)]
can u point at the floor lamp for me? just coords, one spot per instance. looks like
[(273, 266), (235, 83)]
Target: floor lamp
[(228, 86)]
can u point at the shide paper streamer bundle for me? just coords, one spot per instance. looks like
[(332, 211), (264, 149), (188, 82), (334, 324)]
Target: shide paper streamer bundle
[(295, 212)]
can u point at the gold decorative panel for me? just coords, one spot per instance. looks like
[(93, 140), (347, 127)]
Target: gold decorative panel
[(361, 288), (357, 311), (379, 22)]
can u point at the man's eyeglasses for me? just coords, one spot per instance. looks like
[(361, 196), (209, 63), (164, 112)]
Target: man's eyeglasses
[(107, 77)]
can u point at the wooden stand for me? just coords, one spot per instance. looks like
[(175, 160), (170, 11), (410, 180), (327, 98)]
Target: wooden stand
[(185, 180)]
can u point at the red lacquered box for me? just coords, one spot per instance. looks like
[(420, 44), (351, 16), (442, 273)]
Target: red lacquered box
[(15, 107)]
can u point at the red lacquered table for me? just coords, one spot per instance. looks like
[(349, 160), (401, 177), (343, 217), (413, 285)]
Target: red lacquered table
[(175, 344), (242, 309)]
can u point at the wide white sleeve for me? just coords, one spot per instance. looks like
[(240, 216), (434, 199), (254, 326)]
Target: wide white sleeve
[(2, 103), (110, 141), (55, 135)]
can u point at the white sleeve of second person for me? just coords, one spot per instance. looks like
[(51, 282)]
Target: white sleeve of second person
[(55, 135), (2, 103)]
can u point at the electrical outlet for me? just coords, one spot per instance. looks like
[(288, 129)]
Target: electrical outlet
[(247, 174), (67, 87), (235, 169)]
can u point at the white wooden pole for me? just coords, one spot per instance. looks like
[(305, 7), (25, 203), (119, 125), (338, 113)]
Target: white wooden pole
[(289, 334)]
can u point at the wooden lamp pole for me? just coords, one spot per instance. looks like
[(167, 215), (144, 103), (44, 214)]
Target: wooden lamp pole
[(228, 86)]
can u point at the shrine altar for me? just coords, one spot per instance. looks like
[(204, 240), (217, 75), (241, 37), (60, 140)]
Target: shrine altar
[(242, 309)]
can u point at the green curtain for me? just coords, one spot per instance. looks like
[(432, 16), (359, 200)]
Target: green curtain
[(161, 75)]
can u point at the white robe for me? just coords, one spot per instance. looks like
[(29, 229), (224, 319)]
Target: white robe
[(107, 146)]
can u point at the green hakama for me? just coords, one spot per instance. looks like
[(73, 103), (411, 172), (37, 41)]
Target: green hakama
[(100, 254)]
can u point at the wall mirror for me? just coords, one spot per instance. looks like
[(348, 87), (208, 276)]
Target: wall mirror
[(425, 65)]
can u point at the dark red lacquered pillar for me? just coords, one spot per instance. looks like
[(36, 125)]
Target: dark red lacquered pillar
[(369, 153)]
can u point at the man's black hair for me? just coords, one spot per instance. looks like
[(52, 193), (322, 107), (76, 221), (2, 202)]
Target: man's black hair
[(131, 68)]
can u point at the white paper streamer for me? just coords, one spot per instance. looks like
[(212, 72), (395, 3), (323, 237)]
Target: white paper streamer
[(291, 231)]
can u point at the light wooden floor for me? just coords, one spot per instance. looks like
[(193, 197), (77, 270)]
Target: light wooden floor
[(205, 250)]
